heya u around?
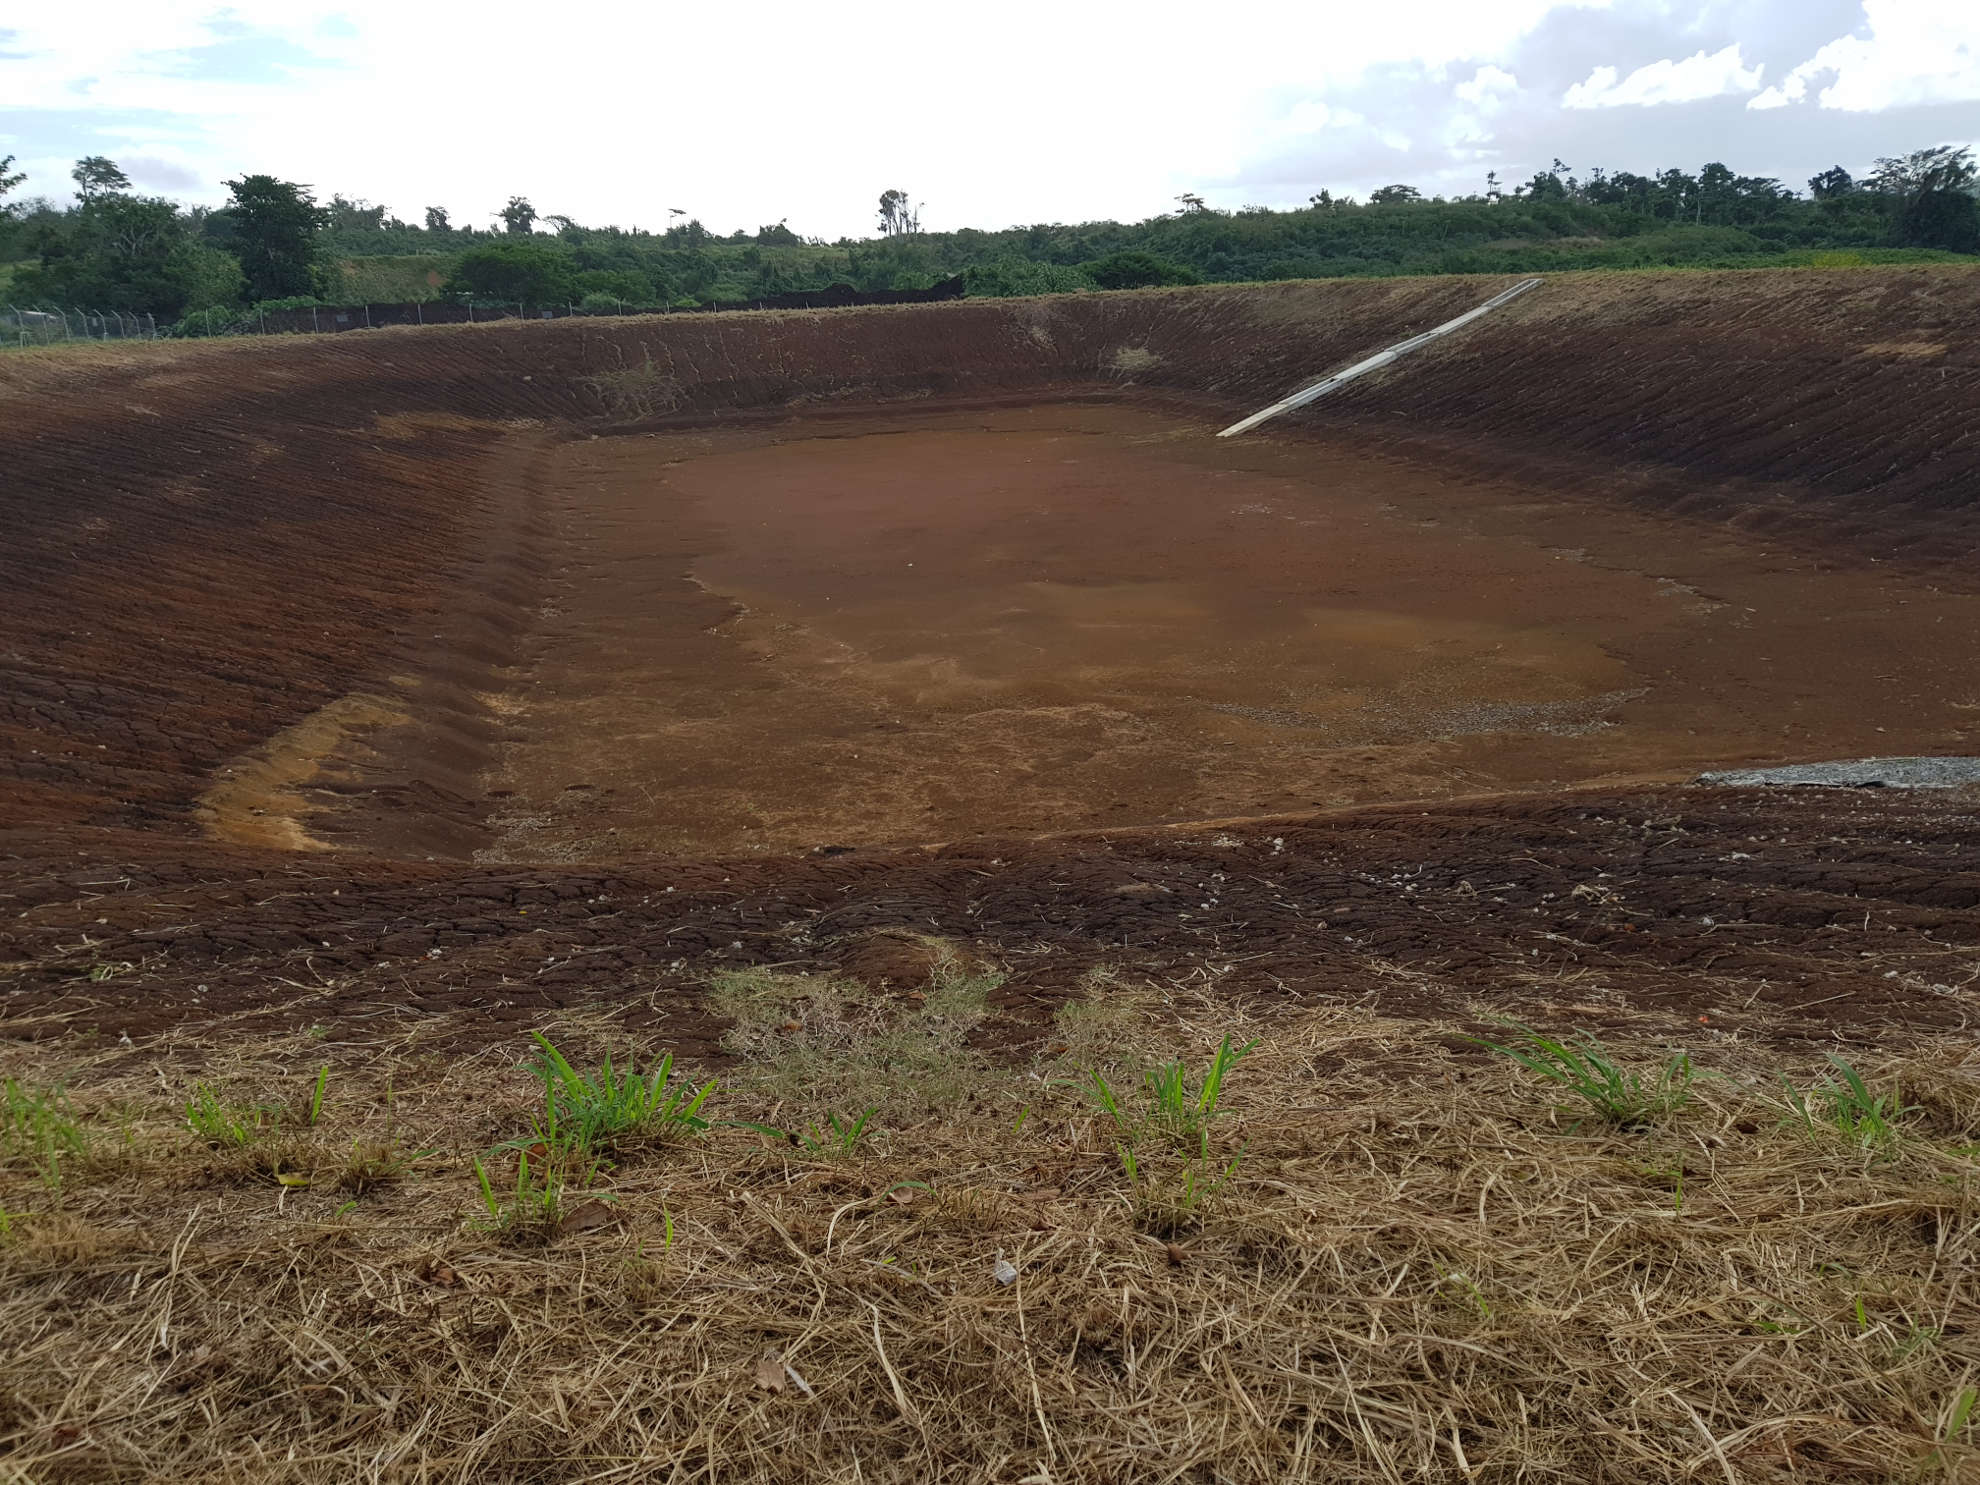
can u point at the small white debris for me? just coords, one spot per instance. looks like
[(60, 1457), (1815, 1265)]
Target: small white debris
[(1001, 1270)]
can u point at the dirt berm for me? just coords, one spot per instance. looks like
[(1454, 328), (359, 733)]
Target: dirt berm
[(271, 613)]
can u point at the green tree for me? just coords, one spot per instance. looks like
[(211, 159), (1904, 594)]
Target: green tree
[(518, 217), (1715, 192), (436, 219), (98, 175), (272, 230), (1138, 270), (1833, 182), (515, 272), (898, 216), (209, 278), (133, 254), (354, 216), (10, 216), (1402, 195), (1933, 193)]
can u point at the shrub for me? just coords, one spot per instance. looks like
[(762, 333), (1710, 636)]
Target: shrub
[(514, 272), (1009, 277), (1138, 270)]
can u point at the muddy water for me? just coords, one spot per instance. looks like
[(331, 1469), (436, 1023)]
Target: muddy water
[(921, 627)]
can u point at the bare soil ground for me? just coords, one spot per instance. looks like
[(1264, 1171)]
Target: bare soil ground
[(360, 708), (904, 628)]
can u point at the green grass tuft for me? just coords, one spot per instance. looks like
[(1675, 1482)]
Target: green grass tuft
[(839, 1136), (1845, 1105), (591, 1114), (1618, 1095), (529, 1209), (221, 1123), (1171, 1104), (39, 1129)]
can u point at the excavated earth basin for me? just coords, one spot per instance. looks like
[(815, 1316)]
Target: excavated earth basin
[(452, 678), (899, 628)]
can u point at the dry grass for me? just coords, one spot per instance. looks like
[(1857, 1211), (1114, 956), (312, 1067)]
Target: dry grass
[(1415, 1272), (641, 391)]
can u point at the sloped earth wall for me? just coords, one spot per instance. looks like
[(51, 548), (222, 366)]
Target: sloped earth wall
[(209, 544)]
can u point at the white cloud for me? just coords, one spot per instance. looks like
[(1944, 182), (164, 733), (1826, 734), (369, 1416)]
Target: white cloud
[(1489, 89), (1055, 112), (1310, 116), (1908, 52), (1790, 89), (1701, 75)]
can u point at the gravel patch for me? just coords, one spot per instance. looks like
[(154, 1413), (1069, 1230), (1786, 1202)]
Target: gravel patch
[(1858, 773)]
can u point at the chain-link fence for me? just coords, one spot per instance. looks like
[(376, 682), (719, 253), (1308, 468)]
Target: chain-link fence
[(50, 324)]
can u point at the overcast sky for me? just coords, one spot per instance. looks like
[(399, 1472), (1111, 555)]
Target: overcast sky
[(1023, 112)]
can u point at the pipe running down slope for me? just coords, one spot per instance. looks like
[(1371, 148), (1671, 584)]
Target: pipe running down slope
[(1375, 362)]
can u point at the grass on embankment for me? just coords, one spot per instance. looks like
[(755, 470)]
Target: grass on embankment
[(1314, 1242), (388, 280)]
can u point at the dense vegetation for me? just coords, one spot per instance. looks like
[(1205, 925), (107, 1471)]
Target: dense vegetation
[(272, 243)]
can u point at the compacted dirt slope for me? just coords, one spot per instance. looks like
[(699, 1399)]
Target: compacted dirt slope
[(269, 612)]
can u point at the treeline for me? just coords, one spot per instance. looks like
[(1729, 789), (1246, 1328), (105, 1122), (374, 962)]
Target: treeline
[(273, 244)]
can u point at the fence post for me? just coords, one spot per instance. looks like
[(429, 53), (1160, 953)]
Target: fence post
[(152, 320), (367, 317), (419, 310), (314, 323)]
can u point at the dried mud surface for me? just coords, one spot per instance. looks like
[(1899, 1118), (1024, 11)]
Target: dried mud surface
[(931, 626), (271, 618)]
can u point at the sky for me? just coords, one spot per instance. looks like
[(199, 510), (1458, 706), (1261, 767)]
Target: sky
[(742, 116)]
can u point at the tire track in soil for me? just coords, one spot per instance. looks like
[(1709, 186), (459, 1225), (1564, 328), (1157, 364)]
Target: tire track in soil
[(1787, 915)]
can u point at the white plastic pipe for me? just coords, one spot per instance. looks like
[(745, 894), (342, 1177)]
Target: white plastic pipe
[(1375, 362)]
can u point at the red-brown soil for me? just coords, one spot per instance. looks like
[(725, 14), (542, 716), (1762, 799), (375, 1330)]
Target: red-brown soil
[(929, 626), (304, 645)]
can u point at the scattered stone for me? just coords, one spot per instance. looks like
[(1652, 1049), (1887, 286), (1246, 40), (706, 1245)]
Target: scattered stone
[(1859, 773)]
